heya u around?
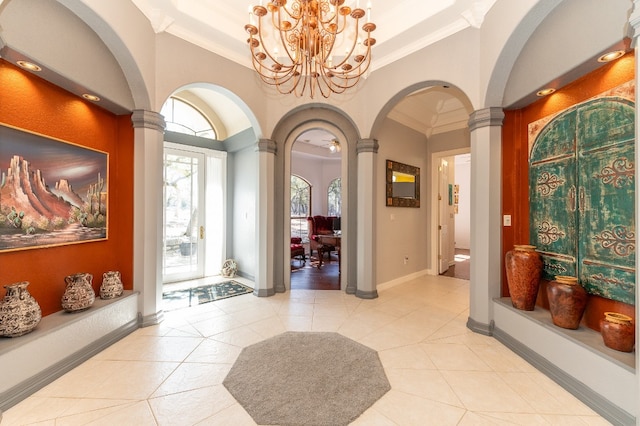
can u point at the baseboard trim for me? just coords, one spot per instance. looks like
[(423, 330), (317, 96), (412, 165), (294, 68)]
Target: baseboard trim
[(595, 401), (149, 320), (479, 327), (390, 284), (242, 274), (36, 382), (367, 294), (264, 292)]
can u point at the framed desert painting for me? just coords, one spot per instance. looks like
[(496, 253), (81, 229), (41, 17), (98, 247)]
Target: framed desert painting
[(52, 192)]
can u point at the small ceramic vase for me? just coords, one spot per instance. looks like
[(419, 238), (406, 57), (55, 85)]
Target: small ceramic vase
[(523, 266), (19, 312), (111, 286), (79, 294), (618, 331), (567, 301)]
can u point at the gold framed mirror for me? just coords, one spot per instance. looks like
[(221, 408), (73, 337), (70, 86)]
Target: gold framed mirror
[(403, 185)]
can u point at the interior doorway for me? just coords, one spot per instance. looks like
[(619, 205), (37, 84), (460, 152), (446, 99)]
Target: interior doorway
[(316, 160), (452, 201)]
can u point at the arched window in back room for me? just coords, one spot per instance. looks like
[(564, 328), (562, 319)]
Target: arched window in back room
[(300, 206), (334, 198), (184, 118)]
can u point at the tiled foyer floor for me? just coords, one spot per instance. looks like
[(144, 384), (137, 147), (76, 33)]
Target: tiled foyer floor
[(440, 372)]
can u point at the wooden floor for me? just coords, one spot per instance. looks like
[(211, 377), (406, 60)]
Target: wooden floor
[(309, 277), (462, 267)]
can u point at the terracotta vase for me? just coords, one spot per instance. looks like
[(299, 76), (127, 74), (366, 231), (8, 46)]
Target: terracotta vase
[(111, 286), (19, 312), (618, 331), (79, 294), (523, 265), (567, 301)]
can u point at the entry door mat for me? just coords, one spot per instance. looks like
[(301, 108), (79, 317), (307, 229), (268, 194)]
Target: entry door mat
[(187, 297)]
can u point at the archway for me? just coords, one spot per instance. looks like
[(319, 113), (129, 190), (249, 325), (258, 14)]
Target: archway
[(444, 109), (319, 168), (284, 135)]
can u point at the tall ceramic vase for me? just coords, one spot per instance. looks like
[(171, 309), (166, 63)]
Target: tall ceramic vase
[(79, 294), (111, 286), (567, 301), (618, 331), (524, 268), (19, 312)]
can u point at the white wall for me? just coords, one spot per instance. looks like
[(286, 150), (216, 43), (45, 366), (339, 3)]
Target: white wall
[(463, 218), (441, 145), (449, 248), (319, 173)]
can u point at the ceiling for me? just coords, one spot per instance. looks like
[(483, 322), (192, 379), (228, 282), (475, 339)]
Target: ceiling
[(218, 26)]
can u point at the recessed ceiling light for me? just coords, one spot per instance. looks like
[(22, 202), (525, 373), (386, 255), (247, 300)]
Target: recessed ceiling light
[(545, 92), (611, 56), (29, 66), (90, 97)]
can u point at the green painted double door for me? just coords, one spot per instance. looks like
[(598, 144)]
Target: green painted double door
[(582, 197)]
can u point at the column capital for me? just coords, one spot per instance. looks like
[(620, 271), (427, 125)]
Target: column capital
[(492, 116), (267, 145), (367, 145), (148, 120)]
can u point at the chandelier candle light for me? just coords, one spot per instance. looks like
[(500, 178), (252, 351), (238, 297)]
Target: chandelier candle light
[(294, 47)]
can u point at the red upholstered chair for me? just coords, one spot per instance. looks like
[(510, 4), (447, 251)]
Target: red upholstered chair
[(297, 250), (319, 225)]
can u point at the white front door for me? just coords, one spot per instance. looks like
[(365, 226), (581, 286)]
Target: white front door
[(183, 242)]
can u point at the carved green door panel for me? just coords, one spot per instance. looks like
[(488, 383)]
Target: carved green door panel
[(552, 196), (606, 199), (582, 197)]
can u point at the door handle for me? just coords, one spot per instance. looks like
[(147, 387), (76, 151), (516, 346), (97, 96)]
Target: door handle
[(572, 198), (581, 200), (202, 232)]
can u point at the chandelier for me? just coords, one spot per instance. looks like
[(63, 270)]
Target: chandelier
[(298, 47)]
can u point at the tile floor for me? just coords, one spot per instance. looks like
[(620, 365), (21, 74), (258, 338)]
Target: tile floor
[(440, 372)]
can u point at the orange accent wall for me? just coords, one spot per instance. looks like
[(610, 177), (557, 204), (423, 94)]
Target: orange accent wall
[(31, 103), (515, 167)]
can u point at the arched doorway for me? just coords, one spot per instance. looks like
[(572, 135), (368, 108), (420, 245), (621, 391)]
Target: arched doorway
[(285, 134), (316, 160)]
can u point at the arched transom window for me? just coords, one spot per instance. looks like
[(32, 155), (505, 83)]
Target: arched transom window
[(182, 117)]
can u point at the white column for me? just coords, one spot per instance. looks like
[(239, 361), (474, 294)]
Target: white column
[(486, 207), (634, 30), (147, 213), (265, 220), (367, 150)]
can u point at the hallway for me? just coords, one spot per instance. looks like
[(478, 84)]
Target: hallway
[(462, 267), (440, 372)]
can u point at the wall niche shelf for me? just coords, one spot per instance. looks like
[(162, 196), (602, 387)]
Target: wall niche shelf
[(583, 336), (60, 342), (578, 360)]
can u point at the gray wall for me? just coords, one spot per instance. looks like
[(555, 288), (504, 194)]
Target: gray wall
[(242, 187), (401, 231)]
